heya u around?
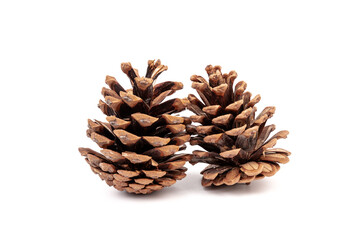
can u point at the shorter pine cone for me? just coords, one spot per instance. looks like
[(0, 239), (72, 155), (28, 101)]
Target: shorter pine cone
[(235, 140), (141, 138)]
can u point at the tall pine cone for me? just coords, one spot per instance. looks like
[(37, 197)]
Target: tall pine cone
[(141, 138), (237, 149)]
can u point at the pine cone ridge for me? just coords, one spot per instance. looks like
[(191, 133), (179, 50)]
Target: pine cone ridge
[(237, 149), (141, 138)]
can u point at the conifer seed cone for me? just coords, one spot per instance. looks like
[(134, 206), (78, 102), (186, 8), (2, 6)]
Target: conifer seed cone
[(236, 142), (141, 138)]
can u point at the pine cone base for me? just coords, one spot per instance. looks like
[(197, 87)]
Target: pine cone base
[(214, 175), (124, 175)]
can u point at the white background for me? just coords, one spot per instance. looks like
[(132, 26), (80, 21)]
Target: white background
[(302, 57)]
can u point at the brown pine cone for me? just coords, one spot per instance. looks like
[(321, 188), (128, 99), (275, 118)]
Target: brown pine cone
[(141, 138), (237, 149)]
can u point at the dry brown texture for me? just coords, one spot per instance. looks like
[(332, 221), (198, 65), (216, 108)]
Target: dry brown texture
[(236, 142), (141, 138)]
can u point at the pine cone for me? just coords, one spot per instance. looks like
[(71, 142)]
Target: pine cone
[(140, 139), (237, 149)]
